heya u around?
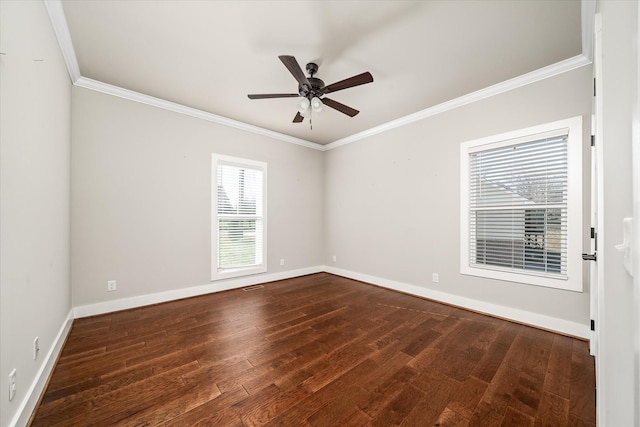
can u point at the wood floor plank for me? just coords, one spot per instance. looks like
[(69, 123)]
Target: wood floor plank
[(268, 408), (356, 418), (328, 404), (337, 363), (450, 418), (526, 394), (387, 391), (398, 409), (438, 390), (210, 412), (317, 350), (553, 411), (558, 378), (191, 396), (467, 397), (513, 417), (495, 353), (487, 415), (582, 388)]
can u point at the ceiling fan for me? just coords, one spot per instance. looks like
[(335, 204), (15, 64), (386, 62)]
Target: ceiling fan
[(312, 89)]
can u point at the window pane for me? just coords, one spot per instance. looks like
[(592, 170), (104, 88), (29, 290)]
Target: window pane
[(518, 206), (239, 190), (239, 243), (530, 173)]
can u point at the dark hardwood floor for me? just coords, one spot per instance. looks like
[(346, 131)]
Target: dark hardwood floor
[(318, 350)]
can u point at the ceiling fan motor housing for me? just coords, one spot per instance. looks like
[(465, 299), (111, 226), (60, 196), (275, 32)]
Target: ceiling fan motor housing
[(316, 83)]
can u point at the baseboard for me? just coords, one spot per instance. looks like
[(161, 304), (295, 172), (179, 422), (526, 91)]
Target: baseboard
[(562, 326), (218, 286), (28, 404)]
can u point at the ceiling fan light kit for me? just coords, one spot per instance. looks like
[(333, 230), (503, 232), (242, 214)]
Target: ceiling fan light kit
[(305, 106), (312, 89)]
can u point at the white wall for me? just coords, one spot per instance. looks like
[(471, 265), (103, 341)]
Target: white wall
[(392, 200), (617, 372), (141, 185), (35, 299)]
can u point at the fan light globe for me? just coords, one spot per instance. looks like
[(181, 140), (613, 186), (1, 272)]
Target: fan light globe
[(303, 106), (316, 104)]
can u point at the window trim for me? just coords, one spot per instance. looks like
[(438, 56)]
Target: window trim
[(216, 160), (574, 273)]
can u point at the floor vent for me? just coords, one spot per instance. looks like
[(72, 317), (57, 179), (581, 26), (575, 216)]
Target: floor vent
[(253, 288)]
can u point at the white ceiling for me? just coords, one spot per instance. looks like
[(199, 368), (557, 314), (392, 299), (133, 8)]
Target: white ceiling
[(209, 55)]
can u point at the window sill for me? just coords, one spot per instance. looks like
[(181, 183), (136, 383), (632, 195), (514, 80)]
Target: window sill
[(528, 278), (237, 272)]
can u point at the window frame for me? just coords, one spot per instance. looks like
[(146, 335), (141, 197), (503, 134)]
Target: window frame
[(574, 272), (216, 161)]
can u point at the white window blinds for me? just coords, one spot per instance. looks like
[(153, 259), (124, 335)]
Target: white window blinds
[(518, 206), (239, 217)]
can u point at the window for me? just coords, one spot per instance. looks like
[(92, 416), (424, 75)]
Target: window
[(238, 244), (521, 206)]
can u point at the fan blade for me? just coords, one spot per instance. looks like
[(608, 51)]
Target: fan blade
[(298, 118), (340, 107), (274, 95), (358, 80), (294, 68)]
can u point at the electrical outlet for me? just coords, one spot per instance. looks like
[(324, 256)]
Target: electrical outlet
[(12, 384), (111, 285), (335, 258), (36, 348), (436, 278), (282, 261)]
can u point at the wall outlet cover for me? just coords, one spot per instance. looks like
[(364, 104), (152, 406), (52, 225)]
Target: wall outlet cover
[(12, 384), (36, 348)]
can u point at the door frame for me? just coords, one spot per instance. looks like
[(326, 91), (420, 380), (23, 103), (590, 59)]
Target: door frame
[(635, 238), (597, 286)]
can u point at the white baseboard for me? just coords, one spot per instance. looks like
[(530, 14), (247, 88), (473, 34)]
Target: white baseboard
[(222, 285), (36, 388), (521, 316)]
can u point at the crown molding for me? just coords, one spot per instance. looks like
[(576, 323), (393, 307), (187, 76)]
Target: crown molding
[(131, 95), (505, 86), (61, 29)]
